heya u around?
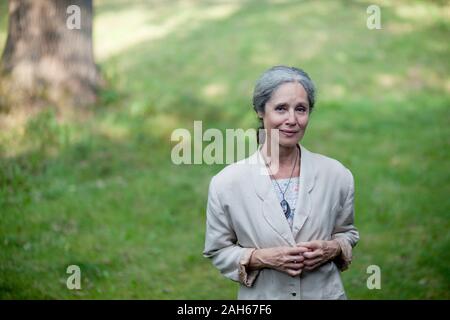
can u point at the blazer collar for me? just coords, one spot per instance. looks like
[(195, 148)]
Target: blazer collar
[(261, 177), (271, 206)]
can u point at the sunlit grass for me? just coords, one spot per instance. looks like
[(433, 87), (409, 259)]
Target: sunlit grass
[(99, 190)]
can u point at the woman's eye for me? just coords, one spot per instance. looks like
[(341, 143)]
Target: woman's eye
[(279, 108)]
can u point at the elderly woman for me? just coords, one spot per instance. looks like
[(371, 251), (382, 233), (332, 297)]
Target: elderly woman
[(282, 229)]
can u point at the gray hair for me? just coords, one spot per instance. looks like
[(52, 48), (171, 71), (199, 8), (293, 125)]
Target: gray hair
[(273, 78)]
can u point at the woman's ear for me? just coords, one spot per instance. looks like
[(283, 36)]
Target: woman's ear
[(260, 115)]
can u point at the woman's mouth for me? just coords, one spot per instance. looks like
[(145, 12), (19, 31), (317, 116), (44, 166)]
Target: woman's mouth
[(288, 133)]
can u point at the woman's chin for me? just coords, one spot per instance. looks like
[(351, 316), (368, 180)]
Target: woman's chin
[(289, 143)]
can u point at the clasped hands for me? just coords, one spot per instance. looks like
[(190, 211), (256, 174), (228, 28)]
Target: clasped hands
[(292, 260)]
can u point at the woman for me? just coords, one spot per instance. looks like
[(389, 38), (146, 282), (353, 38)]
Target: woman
[(283, 230)]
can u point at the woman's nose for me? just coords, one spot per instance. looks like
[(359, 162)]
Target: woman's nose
[(291, 117)]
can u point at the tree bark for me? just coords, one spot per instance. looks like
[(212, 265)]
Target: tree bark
[(46, 60)]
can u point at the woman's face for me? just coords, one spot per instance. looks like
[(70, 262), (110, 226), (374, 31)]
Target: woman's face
[(288, 111)]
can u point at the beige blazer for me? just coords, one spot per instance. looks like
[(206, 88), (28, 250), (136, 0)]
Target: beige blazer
[(244, 214)]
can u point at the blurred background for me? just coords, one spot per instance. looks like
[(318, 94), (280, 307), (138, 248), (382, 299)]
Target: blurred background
[(86, 176)]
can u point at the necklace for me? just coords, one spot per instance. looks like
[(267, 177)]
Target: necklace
[(284, 204)]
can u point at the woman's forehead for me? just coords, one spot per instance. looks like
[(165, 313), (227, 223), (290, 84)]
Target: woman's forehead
[(290, 91)]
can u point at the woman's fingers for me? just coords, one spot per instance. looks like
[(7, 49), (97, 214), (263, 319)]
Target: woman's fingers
[(312, 254), (296, 258), (294, 266), (293, 273), (312, 262), (312, 245), (297, 250), (294, 261)]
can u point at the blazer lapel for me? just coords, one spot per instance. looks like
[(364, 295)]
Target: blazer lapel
[(271, 208), (307, 181)]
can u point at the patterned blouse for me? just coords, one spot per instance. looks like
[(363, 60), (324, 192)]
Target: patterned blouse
[(290, 195)]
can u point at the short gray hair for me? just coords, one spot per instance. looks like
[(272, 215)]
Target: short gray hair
[(271, 79)]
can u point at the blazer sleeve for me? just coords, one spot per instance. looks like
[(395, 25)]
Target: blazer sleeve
[(221, 244), (344, 231)]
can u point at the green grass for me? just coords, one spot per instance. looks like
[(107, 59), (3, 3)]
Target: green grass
[(100, 191)]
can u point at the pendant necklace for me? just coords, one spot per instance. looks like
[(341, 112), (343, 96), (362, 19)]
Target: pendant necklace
[(284, 204)]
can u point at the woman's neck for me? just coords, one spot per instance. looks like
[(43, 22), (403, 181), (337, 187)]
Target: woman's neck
[(286, 155)]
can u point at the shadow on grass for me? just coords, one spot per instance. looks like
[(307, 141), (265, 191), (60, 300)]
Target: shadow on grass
[(103, 193)]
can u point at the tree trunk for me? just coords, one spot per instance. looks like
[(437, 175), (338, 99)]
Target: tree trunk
[(44, 59)]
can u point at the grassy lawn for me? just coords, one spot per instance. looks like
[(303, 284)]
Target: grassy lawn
[(99, 190)]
